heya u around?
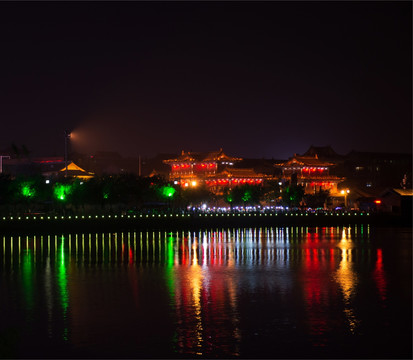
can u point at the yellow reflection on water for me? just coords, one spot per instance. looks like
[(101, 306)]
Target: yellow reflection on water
[(347, 278), (195, 275)]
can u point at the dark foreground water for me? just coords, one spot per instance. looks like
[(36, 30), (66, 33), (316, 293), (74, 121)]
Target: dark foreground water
[(253, 293)]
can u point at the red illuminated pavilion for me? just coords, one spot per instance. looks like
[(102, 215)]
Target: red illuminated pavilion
[(215, 169), (311, 172)]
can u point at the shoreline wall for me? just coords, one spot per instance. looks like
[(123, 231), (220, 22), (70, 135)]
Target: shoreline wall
[(192, 221)]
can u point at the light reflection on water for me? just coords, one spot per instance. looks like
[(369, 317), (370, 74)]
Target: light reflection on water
[(347, 278), (215, 293)]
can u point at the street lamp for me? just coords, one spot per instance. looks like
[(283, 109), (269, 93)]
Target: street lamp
[(345, 193), (67, 136)]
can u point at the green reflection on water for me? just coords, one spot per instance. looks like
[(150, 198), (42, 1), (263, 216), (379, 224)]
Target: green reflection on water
[(170, 277), (27, 276), (61, 273)]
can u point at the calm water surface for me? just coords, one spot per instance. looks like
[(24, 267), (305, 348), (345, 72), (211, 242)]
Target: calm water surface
[(295, 292)]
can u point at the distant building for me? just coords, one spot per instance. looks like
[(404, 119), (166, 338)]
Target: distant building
[(56, 167), (34, 166), (310, 172), (75, 171), (261, 166), (323, 153), (45, 166), (49, 165), (214, 169), (370, 172), (230, 177), (377, 171), (156, 166), (107, 162), (396, 201)]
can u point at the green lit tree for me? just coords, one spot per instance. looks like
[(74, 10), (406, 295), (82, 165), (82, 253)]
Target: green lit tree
[(63, 194), (292, 195), (63, 191), (28, 193), (243, 195)]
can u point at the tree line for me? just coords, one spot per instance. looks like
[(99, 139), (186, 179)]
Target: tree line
[(129, 192)]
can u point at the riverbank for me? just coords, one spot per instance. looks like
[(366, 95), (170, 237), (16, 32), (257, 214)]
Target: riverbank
[(193, 221)]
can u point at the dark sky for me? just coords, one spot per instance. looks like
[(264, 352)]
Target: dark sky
[(260, 79)]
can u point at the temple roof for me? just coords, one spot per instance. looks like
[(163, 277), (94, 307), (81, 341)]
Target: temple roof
[(202, 156), (404, 192), (76, 171), (245, 173), (305, 161), (219, 155)]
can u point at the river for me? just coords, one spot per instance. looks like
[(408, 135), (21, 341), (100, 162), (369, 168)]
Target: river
[(286, 292)]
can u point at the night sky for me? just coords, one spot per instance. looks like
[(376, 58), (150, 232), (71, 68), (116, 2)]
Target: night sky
[(259, 79)]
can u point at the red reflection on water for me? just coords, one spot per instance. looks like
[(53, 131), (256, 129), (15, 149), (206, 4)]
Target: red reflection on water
[(130, 257), (184, 251), (313, 281), (379, 275), (317, 287), (332, 260)]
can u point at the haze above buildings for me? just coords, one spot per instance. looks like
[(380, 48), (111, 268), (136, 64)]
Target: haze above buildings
[(259, 79)]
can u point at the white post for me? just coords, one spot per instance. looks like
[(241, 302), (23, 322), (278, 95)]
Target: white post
[(1, 162)]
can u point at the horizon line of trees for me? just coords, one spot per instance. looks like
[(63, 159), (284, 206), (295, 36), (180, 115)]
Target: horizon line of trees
[(129, 192)]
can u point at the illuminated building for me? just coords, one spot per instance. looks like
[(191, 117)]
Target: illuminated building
[(214, 169), (56, 167), (230, 178), (310, 172), (75, 171)]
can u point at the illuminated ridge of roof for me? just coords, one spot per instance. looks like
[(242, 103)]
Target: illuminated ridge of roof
[(404, 192), (239, 172), (76, 170), (220, 155), (305, 161), (198, 157)]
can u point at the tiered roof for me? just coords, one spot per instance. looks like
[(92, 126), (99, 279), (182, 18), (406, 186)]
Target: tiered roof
[(404, 192), (76, 171), (202, 156), (310, 161), (239, 173)]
